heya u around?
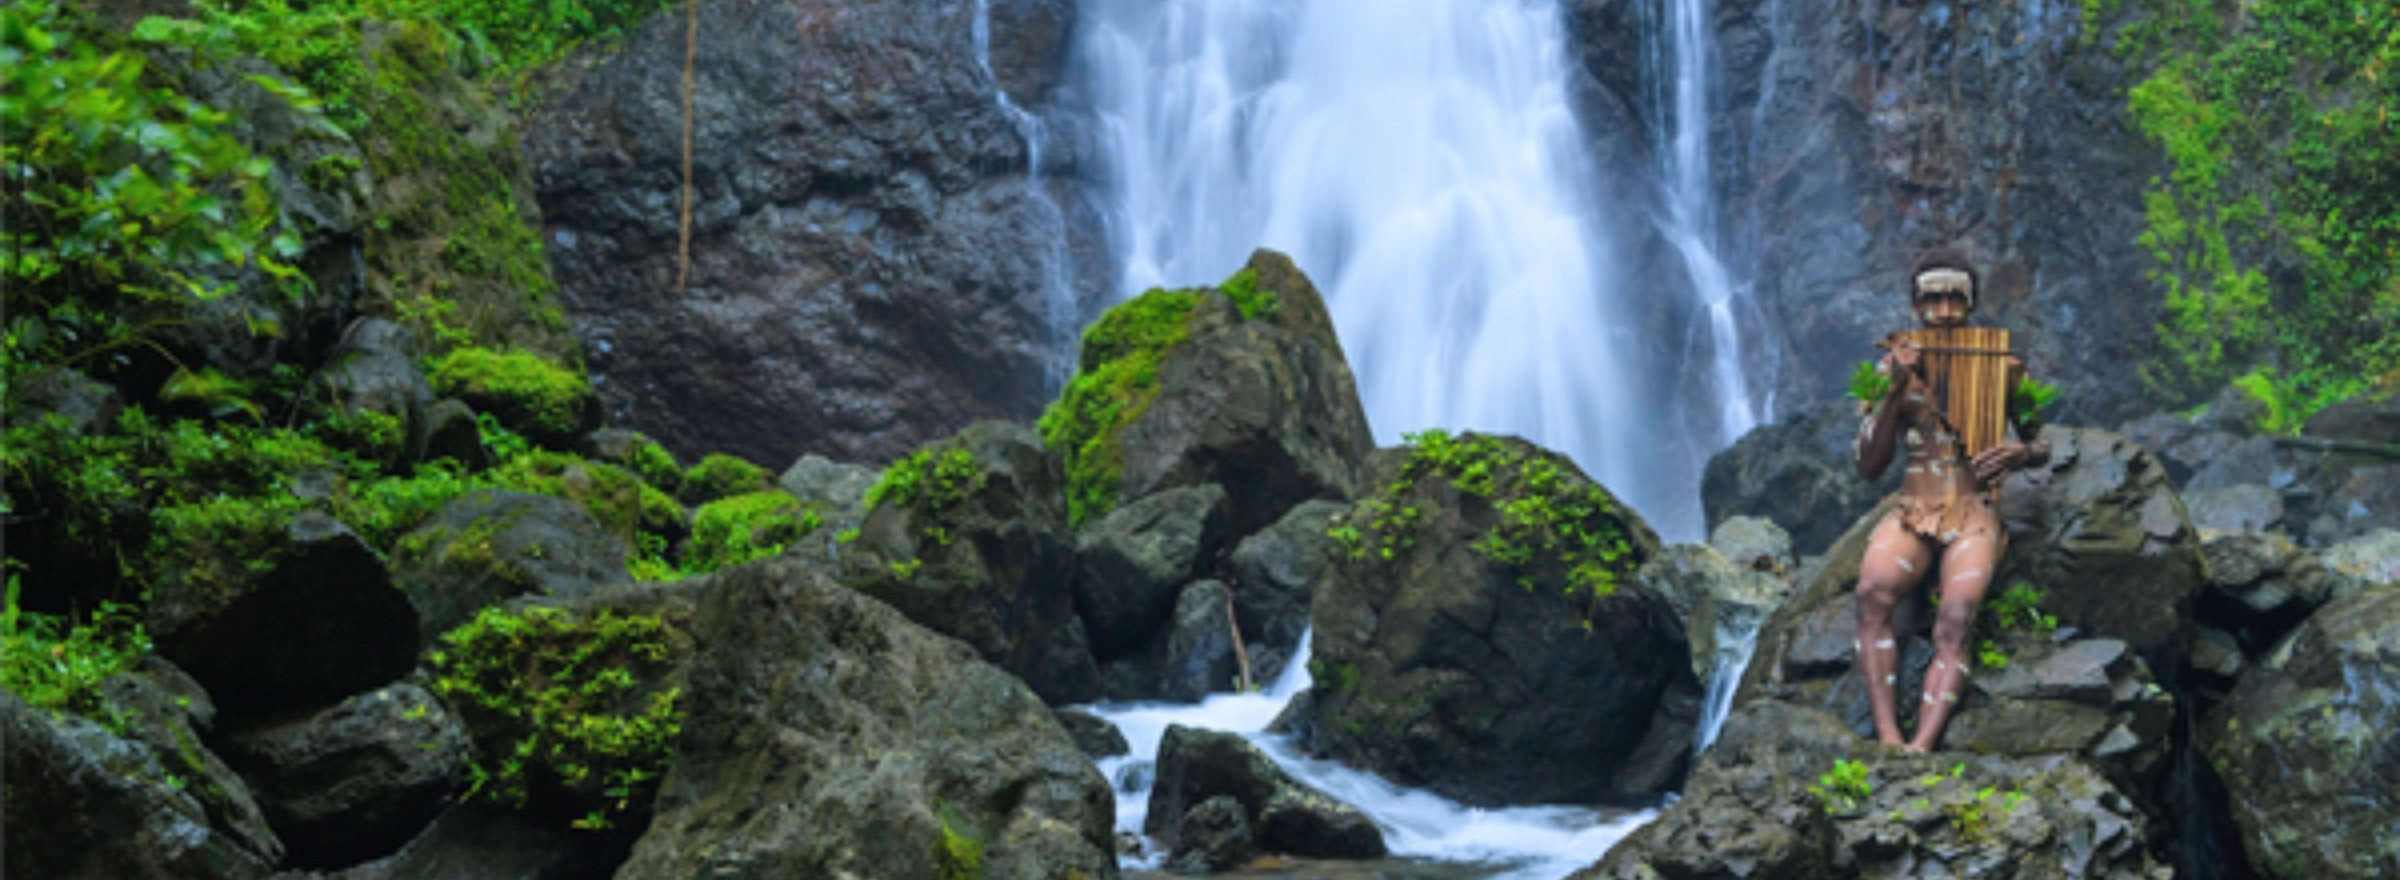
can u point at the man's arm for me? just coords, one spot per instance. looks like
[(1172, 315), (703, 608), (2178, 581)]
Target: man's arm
[(1879, 433)]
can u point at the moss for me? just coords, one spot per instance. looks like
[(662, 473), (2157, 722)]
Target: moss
[(1253, 303), (528, 391), (384, 509), (655, 465), (565, 704), (931, 480), (718, 476), (1550, 523), (618, 500), (218, 546), (59, 663), (1115, 384), (757, 525), (377, 437), (961, 856)]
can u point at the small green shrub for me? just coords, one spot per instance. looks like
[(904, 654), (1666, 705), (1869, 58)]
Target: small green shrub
[(382, 510), (53, 663), (2031, 396), (932, 480), (1251, 301), (535, 392), (1844, 788), (731, 531), (1869, 385), (656, 466), (575, 702), (718, 476)]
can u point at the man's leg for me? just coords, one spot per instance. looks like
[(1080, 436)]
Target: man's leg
[(1895, 559), (1966, 572)]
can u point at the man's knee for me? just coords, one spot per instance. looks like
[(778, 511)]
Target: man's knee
[(1952, 624), (1876, 595)]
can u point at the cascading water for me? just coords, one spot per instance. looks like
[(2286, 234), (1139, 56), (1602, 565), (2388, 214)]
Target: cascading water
[(1691, 221), (1058, 286), (1422, 162)]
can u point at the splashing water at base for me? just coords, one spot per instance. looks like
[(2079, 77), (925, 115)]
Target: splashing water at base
[(1522, 843)]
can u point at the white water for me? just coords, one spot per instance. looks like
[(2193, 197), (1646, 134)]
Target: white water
[(1058, 286), (1533, 843), (1421, 161), (1691, 221), (1737, 640)]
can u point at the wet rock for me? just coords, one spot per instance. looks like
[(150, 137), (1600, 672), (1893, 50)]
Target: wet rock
[(1213, 836), (354, 781), (2181, 444), (1713, 597), (1196, 767), (375, 371), (1754, 543), (989, 561), (1095, 737), (1199, 652), (1265, 407), (1796, 473), (2245, 508), (1440, 666), (1131, 564), (85, 804), (837, 487), (827, 734), (492, 546), (2312, 726), (1277, 573), (313, 619), (868, 267), (451, 432)]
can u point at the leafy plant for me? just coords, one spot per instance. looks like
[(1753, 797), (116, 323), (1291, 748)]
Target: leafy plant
[(2032, 396), (1548, 516), (52, 663), (1869, 385), (1843, 788)]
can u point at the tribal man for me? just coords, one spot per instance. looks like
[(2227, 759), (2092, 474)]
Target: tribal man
[(1945, 510)]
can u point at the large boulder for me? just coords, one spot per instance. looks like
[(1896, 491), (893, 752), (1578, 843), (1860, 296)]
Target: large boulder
[(869, 265), (2307, 748), (488, 547), (354, 781), (477, 841), (1796, 473), (1131, 564), (1488, 640), (828, 735), (2101, 532), (1788, 793), (1196, 767), (1242, 386), (310, 617), (83, 803), (967, 537)]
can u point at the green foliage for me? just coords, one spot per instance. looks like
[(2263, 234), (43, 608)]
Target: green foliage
[(574, 703), (757, 525), (219, 545), (2276, 235), (54, 663), (719, 475), (383, 509), (1116, 383), (2019, 607), (1843, 788), (526, 34), (549, 397), (378, 437), (656, 466), (2031, 396), (618, 500), (932, 480), (1868, 384), (1252, 302), (1550, 520), (2287, 404), (962, 854)]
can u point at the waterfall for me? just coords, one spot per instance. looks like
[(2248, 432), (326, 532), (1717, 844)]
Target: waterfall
[(1681, 129), (1058, 284), (1737, 641), (1423, 163)]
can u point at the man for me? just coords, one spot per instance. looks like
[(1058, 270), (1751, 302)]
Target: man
[(1945, 509)]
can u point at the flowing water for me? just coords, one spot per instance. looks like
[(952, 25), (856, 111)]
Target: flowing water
[(1058, 283)]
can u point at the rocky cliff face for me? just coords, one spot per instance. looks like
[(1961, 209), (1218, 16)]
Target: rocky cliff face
[(1848, 136), (869, 268)]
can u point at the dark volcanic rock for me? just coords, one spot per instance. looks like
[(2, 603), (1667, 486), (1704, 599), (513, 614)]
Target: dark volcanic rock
[(314, 619), (1277, 573), (492, 546), (1131, 564), (1796, 473), (992, 566), (2101, 532), (828, 735), (2307, 747), (868, 265), (1213, 836), (355, 781), (1443, 668), (1199, 767), (84, 804)]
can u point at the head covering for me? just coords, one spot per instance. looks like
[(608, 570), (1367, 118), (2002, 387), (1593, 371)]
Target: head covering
[(1944, 269)]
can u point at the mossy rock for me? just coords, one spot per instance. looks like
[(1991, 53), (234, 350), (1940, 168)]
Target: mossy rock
[(747, 527), (488, 547), (528, 392), (623, 505), (720, 476)]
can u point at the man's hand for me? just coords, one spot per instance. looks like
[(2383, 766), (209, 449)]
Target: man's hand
[(1901, 364), (1999, 460)]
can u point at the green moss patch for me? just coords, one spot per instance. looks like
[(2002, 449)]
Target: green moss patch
[(718, 476), (618, 500), (1253, 302), (573, 705), (743, 528), (58, 663), (216, 547), (528, 391), (1116, 383)]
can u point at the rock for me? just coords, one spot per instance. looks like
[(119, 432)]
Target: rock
[(1441, 666), (2100, 531), (2260, 586), (85, 804), (313, 618), (986, 561), (1277, 573), (1769, 801), (1196, 767), (2217, 653), (2245, 508), (1213, 836), (2232, 410), (491, 546), (2252, 461), (2183, 446), (450, 432), (2089, 697), (1264, 406), (85, 404), (2313, 726), (837, 487), (2364, 562), (354, 781), (375, 371), (829, 735), (2363, 500), (1713, 598), (1131, 563), (1796, 473), (1095, 737), (1756, 544), (1199, 651), (2364, 419), (487, 842), (868, 263)]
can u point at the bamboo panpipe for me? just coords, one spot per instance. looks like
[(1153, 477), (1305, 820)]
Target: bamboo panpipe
[(1967, 368)]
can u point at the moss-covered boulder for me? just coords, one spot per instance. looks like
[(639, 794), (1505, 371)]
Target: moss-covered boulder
[(492, 546), (967, 537), (830, 736), (273, 606), (374, 394), (1242, 385), (530, 393), (1487, 639), (718, 476), (2307, 747)]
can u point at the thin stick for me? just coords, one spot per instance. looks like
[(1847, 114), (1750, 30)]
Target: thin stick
[(1240, 654)]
